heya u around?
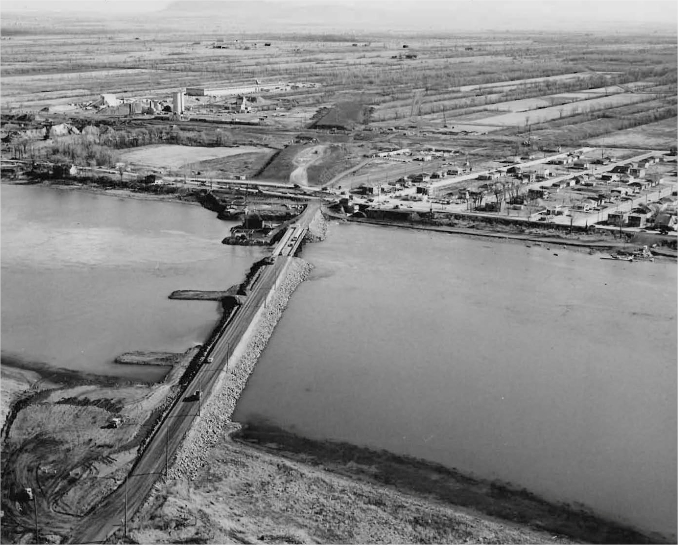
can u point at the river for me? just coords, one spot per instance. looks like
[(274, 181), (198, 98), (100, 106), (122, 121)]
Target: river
[(552, 370), (85, 277)]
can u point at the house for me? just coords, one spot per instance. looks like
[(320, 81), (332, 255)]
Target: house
[(488, 176), (516, 169), (638, 186), (637, 172), (557, 210), (620, 191), (584, 205), (618, 218), (455, 171), (622, 169), (666, 221), (637, 220), (64, 171), (410, 56), (609, 177), (581, 164), (528, 177), (538, 193)]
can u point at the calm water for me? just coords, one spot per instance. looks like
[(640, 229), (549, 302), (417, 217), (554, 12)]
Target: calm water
[(86, 277), (555, 373)]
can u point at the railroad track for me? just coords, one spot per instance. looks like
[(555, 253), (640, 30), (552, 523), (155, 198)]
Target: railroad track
[(119, 506)]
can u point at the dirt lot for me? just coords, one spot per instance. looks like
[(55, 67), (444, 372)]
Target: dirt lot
[(247, 164), (175, 156), (58, 441)]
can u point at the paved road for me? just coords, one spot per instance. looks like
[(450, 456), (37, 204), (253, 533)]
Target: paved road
[(110, 514)]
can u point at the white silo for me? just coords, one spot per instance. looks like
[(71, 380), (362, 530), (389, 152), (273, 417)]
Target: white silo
[(178, 102)]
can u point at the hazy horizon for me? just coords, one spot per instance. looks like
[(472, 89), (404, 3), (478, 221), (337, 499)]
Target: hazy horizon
[(379, 15)]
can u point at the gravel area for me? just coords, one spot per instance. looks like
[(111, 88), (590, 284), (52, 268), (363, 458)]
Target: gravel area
[(215, 420), (317, 229)]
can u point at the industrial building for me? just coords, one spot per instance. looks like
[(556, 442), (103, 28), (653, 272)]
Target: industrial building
[(222, 91)]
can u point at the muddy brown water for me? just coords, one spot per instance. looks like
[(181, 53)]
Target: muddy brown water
[(86, 277), (553, 373)]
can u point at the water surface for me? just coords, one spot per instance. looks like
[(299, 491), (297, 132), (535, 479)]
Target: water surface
[(554, 373), (85, 277)]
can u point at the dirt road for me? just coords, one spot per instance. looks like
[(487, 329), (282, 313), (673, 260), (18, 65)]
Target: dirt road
[(304, 160)]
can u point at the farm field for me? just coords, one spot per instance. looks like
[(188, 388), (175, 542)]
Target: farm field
[(659, 135), (540, 115)]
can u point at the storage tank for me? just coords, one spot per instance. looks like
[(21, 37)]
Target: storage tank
[(178, 102)]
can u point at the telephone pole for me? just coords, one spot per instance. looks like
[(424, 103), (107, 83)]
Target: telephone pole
[(35, 515), (125, 527)]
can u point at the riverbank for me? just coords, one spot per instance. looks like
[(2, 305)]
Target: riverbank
[(113, 192), (575, 241)]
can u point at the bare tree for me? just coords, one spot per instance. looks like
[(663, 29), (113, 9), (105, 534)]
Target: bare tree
[(499, 190)]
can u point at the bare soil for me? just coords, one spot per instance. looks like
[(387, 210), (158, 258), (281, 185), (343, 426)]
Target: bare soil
[(175, 156), (248, 495), (59, 441), (247, 164)]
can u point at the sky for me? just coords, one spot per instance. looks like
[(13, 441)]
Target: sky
[(531, 13)]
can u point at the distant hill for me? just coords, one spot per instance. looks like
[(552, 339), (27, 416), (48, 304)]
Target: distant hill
[(283, 16), (452, 16)]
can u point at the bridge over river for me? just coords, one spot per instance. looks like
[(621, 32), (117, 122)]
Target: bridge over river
[(218, 357)]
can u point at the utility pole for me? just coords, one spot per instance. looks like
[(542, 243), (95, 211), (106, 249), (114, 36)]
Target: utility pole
[(35, 514), (125, 528)]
